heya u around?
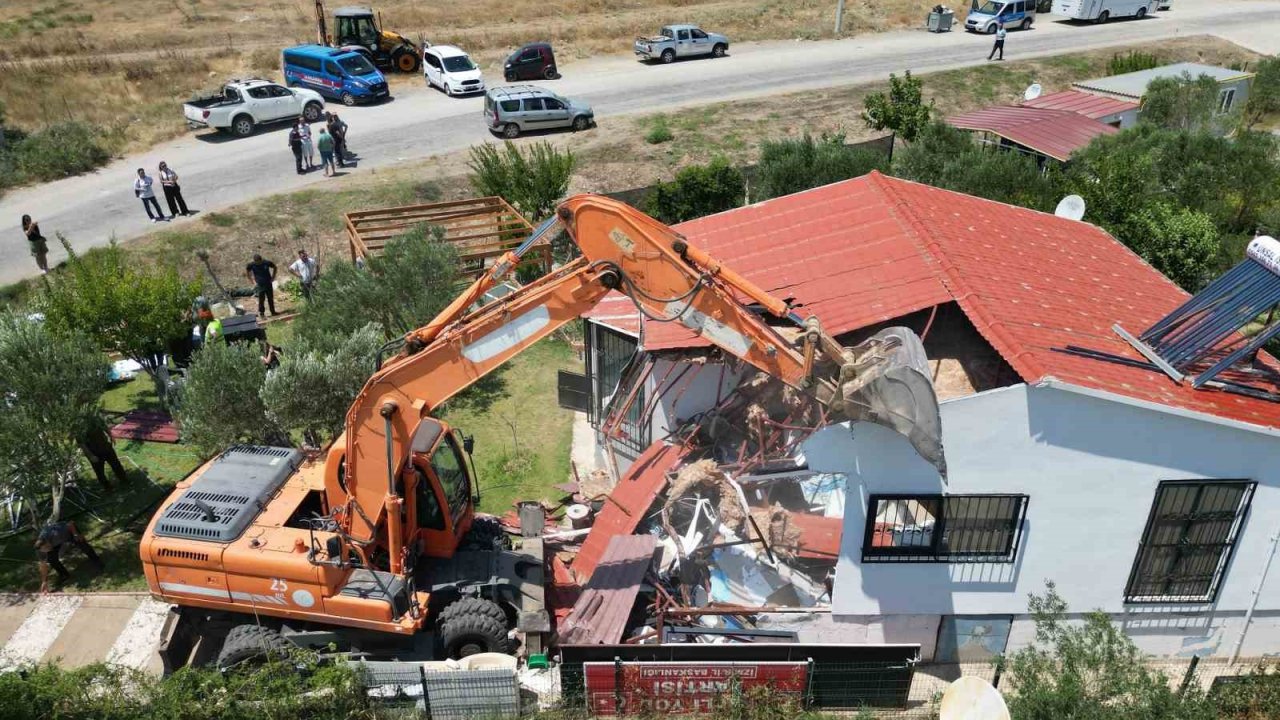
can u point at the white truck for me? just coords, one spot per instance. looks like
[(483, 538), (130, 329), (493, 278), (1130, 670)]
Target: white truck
[(245, 104), (1100, 11), (681, 41)]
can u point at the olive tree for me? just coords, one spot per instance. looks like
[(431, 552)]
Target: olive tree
[(902, 110), (219, 403), (317, 380)]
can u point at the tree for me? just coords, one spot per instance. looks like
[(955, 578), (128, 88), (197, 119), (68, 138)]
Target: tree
[(533, 180), (411, 281), (1264, 93), (317, 381), (696, 191), (51, 384), (1181, 103), (220, 404), (903, 110), (125, 306), (791, 165), (1181, 243), (1090, 671)]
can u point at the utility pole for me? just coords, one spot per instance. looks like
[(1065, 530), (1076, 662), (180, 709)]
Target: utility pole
[(839, 16)]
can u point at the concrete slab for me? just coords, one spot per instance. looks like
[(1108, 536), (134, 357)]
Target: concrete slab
[(92, 631), (39, 630), (136, 644), (14, 609)]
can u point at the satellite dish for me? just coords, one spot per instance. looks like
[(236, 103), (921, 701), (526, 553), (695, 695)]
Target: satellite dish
[(972, 698), (1070, 207), (1032, 92)]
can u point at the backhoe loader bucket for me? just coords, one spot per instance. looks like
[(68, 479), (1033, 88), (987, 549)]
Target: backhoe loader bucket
[(886, 381)]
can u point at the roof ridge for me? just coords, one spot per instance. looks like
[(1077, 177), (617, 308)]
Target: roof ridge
[(1022, 360)]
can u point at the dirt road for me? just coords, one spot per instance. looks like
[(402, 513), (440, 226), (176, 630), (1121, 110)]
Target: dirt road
[(218, 171)]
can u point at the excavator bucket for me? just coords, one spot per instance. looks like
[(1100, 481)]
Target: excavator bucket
[(886, 380)]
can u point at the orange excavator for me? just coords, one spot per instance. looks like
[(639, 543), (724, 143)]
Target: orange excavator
[(378, 542)]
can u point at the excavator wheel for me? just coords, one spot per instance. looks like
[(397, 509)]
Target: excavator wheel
[(473, 629), (405, 60), (484, 530), (252, 644)]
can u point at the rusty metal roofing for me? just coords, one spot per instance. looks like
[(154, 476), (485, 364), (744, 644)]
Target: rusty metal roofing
[(600, 615), (1029, 282), (1055, 133), (1089, 105), (627, 504)]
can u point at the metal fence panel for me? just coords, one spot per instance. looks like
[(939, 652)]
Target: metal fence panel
[(459, 695)]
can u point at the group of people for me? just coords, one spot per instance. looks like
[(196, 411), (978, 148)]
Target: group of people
[(263, 274), (144, 189), (331, 142)]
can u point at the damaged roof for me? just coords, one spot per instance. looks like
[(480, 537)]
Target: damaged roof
[(874, 248), (1053, 133)]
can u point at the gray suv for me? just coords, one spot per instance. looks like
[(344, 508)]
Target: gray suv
[(515, 109)]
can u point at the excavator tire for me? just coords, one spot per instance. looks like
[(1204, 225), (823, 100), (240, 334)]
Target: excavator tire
[(472, 634), (484, 530), (471, 606), (251, 644)]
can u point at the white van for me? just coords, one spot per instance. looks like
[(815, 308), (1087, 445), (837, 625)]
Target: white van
[(1013, 13), (452, 70), (1104, 10)]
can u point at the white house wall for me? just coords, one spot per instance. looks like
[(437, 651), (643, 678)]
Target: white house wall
[(683, 397), (1090, 467)]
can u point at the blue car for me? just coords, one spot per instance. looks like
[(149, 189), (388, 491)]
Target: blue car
[(343, 75)]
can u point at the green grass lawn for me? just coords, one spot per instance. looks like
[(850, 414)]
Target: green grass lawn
[(522, 435)]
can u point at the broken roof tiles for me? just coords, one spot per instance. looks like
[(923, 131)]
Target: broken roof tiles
[(599, 617)]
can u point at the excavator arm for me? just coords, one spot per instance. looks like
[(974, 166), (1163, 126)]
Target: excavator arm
[(883, 381)]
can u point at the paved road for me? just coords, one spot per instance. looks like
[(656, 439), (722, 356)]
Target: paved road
[(218, 172), (77, 630)]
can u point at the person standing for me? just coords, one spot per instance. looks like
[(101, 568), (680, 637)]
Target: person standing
[(270, 355), (172, 192), (308, 149), (338, 131), (49, 543), (306, 269), (96, 444), (295, 144), (263, 274), (999, 45), (325, 143), (39, 246), (143, 187)]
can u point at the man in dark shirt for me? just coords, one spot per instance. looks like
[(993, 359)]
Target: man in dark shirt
[(50, 542), (263, 274), (95, 442)]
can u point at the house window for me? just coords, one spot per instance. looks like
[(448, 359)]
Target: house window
[(611, 358), (943, 528), (1187, 544), (1225, 99)]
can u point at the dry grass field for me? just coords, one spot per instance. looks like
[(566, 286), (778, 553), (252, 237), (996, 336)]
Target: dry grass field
[(127, 65)]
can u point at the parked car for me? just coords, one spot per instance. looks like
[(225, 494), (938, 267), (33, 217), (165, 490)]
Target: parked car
[(680, 41), (340, 74), (244, 104), (1013, 13), (452, 70), (515, 109), (534, 61)]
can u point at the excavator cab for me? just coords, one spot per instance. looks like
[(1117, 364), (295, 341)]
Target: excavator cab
[(440, 493), (356, 28)]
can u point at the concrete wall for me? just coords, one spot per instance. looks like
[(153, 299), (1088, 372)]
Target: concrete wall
[(1090, 467), (1126, 119)]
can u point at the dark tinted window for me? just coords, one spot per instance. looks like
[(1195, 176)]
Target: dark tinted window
[(259, 93), (357, 65), (331, 68), (698, 35), (447, 464), (532, 104), (684, 35), (429, 515), (510, 105), (433, 62), (553, 104), (531, 55), (277, 91), (303, 61)]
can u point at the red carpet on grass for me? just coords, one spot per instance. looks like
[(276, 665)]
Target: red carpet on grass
[(146, 425)]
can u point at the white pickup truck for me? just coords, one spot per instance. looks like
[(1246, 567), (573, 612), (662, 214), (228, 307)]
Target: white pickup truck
[(681, 41), (244, 104)]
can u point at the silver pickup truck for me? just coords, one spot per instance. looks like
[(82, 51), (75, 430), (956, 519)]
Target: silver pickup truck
[(681, 41)]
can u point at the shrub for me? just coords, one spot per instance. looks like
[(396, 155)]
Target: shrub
[(1132, 61), (1181, 243), (220, 402), (1183, 103), (697, 190), (60, 150), (659, 132), (791, 165), (532, 180), (902, 110), (317, 380)]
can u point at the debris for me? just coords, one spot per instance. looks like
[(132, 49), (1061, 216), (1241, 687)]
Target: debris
[(601, 612), (628, 503)]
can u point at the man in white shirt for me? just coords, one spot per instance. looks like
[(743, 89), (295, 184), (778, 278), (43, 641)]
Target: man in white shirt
[(306, 269), (999, 45), (142, 188)]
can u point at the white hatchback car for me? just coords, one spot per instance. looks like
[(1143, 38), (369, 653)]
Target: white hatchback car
[(452, 70)]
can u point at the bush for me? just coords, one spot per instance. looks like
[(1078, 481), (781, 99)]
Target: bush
[(1132, 61), (532, 180), (1183, 103), (220, 402), (697, 190), (60, 150), (317, 381), (789, 166), (659, 132), (1181, 243)]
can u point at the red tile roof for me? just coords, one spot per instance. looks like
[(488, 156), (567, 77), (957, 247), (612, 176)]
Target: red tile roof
[(1082, 103), (1056, 133), (875, 248)]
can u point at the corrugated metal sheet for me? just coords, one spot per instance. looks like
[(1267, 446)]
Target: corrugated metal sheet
[(1132, 86), (1056, 133), (600, 615), (1082, 103), (626, 504), (1028, 281)]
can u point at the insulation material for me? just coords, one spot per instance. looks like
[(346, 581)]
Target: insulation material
[(825, 493)]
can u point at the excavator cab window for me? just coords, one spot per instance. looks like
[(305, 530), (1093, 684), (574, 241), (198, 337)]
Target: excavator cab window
[(450, 468), (358, 30), (430, 516)]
